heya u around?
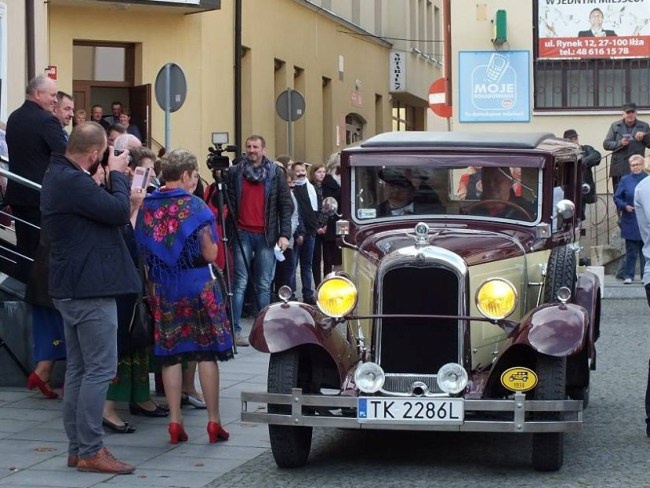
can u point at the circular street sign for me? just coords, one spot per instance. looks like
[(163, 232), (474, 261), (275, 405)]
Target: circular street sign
[(438, 98), (177, 87), (290, 105)]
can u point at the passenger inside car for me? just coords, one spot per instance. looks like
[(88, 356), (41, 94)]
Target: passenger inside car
[(403, 198)]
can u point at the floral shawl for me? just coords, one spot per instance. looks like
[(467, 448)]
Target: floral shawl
[(167, 229)]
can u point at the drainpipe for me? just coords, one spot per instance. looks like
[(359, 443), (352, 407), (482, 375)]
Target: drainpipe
[(237, 66), (29, 39)]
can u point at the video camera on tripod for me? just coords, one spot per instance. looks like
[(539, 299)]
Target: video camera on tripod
[(216, 160)]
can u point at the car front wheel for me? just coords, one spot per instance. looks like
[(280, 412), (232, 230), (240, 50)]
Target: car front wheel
[(548, 449), (290, 445)]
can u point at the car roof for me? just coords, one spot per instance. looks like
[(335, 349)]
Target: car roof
[(424, 139)]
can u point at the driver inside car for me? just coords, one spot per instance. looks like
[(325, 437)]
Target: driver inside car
[(498, 198)]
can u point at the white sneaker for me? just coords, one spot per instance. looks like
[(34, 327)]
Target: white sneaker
[(627, 281), (241, 341)]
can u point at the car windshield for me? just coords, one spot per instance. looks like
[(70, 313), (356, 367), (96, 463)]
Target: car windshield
[(478, 190)]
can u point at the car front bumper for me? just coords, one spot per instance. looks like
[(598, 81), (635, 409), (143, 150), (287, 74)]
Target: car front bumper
[(507, 415)]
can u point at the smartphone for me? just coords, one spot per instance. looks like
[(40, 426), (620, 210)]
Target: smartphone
[(140, 178)]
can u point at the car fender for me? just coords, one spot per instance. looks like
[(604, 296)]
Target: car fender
[(555, 329), (283, 326), (588, 295)]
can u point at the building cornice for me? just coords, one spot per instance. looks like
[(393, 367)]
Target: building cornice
[(354, 28)]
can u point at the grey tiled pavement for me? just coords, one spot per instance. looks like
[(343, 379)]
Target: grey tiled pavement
[(33, 443)]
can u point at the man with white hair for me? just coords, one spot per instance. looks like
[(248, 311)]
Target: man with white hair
[(33, 134), (127, 141)]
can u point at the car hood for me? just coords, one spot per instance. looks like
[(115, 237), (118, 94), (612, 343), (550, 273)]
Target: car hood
[(474, 246)]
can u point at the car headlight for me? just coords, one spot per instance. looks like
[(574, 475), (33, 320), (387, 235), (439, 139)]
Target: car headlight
[(496, 299), (369, 377), (336, 296), (452, 378)]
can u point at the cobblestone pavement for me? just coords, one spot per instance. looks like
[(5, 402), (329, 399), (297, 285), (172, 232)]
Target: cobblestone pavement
[(611, 450)]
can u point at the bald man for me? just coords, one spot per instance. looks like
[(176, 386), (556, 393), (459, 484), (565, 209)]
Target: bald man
[(33, 135)]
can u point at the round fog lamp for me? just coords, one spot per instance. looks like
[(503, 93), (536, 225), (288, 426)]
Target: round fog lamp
[(452, 378), (369, 377)]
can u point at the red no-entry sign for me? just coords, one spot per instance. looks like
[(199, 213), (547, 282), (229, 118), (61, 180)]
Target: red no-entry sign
[(438, 98)]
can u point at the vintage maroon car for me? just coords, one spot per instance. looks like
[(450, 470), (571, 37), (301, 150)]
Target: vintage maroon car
[(460, 305)]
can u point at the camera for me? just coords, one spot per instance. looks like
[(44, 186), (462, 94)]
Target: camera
[(216, 160), (116, 152)]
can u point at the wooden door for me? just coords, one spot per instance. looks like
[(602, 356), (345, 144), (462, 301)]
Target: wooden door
[(140, 104)]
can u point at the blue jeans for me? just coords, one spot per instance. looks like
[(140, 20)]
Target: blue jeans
[(255, 247), (91, 345), (304, 255), (632, 249)]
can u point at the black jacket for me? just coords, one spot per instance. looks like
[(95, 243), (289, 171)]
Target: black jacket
[(590, 158), (308, 215), (33, 135), (279, 207), (88, 257), (331, 188), (620, 153)]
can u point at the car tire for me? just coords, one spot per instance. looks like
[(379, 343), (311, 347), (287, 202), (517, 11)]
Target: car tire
[(560, 271), (290, 445), (548, 449)]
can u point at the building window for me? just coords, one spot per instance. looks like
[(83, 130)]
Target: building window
[(403, 116), (591, 83)]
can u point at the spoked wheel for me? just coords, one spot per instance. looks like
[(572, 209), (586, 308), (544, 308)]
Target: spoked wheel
[(290, 445), (548, 448)]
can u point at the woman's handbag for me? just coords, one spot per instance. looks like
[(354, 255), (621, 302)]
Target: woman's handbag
[(142, 323)]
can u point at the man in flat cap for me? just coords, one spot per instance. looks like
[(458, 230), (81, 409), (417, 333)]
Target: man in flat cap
[(590, 158), (626, 137), (401, 196)]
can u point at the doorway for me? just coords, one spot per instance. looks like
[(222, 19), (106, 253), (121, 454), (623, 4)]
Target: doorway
[(103, 73)]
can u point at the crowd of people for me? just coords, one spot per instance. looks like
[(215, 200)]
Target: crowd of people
[(98, 248)]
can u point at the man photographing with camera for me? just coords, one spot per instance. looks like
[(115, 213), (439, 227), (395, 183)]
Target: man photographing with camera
[(260, 207), (89, 266)]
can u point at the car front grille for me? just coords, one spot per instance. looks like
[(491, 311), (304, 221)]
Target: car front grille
[(410, 348)]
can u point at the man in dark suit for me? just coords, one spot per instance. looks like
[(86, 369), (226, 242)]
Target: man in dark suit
[(596, 18), (402, 198), (33, 134)]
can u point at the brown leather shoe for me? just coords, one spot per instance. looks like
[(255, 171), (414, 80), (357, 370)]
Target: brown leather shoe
[(104, 462), (73, 461)]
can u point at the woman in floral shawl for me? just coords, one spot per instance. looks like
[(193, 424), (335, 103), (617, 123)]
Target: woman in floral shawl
[(176, 233)]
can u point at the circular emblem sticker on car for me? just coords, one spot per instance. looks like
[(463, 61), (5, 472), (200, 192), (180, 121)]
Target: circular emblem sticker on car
[(519, 379)]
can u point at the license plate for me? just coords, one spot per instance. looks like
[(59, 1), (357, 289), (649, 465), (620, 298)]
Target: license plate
[(411, 410)]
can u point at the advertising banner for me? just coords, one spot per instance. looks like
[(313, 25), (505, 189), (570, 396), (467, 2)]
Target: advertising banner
[(494, 86), (583, 29)]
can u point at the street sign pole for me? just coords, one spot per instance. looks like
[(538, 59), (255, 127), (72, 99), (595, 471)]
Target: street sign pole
[(289, 122), (171, 90), (168, 96)]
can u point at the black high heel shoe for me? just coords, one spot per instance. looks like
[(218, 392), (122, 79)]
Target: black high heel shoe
[(136, 409)]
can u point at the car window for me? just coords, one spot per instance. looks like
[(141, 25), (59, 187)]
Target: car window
[(473, 191)]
